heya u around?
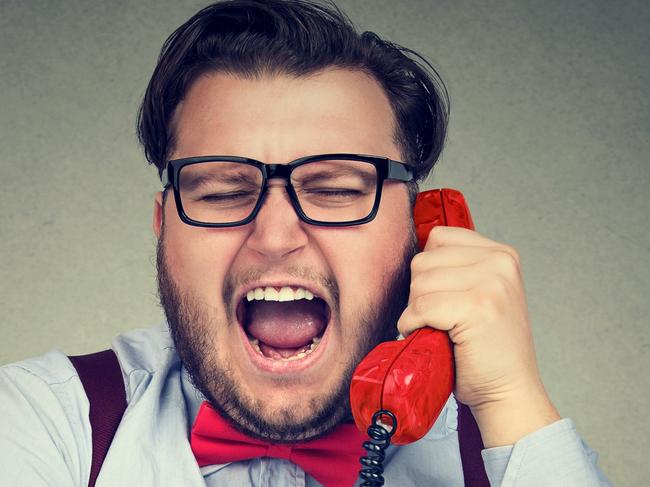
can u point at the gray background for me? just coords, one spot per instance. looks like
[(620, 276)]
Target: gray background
[(548, 141)]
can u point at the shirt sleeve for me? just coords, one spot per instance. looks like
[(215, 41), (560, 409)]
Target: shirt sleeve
[(553, 455), (41, 426)]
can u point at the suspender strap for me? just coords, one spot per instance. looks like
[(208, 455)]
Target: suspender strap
[(471, 444), (101, 377)]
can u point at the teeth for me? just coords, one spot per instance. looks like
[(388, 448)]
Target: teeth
[(256, 345), (296, 357), (285, 294), (271, 294), (314, 344)]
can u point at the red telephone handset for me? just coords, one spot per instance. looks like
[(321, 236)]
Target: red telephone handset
[(412, 378)]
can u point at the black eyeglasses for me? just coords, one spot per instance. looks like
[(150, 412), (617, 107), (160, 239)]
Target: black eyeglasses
[(326, 189)]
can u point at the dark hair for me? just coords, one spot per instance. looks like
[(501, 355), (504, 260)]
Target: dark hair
[(253, 38)]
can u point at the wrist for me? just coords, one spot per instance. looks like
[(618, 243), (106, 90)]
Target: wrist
[(506, 421)]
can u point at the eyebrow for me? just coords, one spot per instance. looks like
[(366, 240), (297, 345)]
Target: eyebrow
[(366, 176), (200, 180)]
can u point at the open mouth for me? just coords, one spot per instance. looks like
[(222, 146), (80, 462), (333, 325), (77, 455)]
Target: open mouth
[(283, 324)]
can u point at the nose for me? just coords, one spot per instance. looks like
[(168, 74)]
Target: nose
[(277, 229)]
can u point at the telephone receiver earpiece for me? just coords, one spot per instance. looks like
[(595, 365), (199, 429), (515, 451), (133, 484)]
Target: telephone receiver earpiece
[(411, 378)]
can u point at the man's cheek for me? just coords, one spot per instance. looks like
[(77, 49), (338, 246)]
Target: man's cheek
[(194, 267)]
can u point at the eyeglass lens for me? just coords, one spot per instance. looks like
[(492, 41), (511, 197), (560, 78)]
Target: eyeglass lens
[(327, 191)]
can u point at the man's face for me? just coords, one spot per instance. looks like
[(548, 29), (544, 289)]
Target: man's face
[(283, 389)]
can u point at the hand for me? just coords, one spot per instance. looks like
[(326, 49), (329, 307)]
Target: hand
[(472, 287)]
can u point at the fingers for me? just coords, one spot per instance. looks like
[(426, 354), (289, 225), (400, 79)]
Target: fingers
[(473, 276), (456, 278), (461, 269), (454, 256), (441, 310), (442, 236)]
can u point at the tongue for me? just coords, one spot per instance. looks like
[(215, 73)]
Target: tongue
[(286, 325)]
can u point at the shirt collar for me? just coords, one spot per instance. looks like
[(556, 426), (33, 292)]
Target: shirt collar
[(193, 399)]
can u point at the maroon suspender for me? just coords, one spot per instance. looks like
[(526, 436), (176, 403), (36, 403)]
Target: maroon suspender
[(101, 377), (471, 444)]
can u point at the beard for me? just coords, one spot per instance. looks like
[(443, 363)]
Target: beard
[(192, 322)]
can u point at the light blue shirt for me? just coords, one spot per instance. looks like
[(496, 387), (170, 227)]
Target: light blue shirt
[(45, 435)]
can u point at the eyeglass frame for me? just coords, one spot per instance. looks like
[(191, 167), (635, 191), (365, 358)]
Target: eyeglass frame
[(386, 169)]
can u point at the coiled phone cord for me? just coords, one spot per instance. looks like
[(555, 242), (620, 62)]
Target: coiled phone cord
[(373, 463)]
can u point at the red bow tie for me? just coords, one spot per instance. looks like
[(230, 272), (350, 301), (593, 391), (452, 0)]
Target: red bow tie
[(333, 459)]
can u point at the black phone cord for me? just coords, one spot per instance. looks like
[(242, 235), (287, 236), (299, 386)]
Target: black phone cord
[(373, 463)]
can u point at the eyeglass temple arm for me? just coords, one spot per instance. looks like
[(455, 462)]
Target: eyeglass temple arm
[(164, 178), (399, 171)]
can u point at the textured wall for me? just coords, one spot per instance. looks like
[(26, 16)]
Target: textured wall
[(548, 141)]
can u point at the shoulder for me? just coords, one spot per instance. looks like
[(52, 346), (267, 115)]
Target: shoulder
[(44, 404), (144, 351), (49, 384), (44, 411), (39, 378)]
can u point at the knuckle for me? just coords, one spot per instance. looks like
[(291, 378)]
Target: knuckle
[(418, 262), (400, 324), (499, 287), (513, 253), (404, 324), (507, 258), (436, 232), (492, 298)]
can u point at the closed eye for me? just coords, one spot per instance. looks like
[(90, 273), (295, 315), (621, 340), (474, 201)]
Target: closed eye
[(225, 196)]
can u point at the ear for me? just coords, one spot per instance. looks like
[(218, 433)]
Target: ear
[(158, 216)]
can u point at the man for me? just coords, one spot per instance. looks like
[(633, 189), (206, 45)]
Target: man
[(279, 270)]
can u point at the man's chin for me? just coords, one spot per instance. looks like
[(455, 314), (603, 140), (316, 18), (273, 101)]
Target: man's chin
[(290, 417)]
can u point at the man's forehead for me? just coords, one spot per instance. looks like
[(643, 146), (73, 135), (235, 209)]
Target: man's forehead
[(330, 111)]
